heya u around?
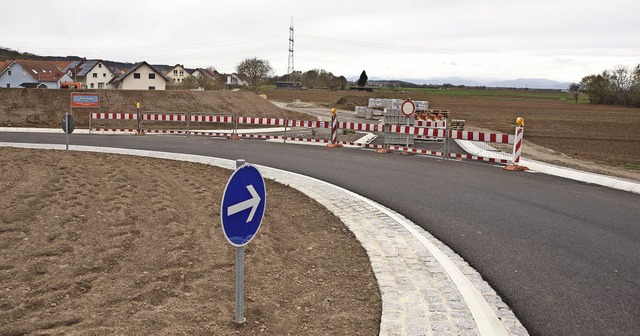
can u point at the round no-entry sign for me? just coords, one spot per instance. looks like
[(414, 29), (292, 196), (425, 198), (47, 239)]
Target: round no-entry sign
[(408, 107)]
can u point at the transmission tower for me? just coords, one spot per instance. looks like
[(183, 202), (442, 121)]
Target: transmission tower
[(290, 65)]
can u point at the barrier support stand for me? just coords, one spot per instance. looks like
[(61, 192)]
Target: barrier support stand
[(384, 149), (139, 131), (517, 147), (188, 123), (334, 130), (234, 135)]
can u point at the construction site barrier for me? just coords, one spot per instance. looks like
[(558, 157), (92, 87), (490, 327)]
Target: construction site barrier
[(421, 128)]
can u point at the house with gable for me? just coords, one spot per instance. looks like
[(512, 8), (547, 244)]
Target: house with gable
[(210, 74), (32, 74), (177, 75), (140, 76), (93, 74)]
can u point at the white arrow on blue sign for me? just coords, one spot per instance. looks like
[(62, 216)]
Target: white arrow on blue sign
[(243, 203)]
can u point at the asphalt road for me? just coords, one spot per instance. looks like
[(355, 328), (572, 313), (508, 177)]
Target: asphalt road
[(564, 255)]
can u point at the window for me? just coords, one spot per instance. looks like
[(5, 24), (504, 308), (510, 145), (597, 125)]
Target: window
[(181, 72), (100, 85), (152, 76), (99, 65), (8, 85), (104, 75), (175, 72), (8, 72), (136, 75), (152, 88), (95, 75), (92, 85)]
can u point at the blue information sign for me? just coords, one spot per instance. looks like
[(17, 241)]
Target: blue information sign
[(243, 203)]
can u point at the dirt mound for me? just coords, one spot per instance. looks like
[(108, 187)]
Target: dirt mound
[(353, 101), (44, 108)]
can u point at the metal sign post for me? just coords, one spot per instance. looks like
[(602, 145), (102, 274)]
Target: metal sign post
[(241, 213), (68, 125)]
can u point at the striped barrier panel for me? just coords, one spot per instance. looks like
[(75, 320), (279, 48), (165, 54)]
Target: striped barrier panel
[(166, 132), (211, 134), (309, 123), (113, 130), (482, 136), (114, 116), (477, 158), (429, 132), (416, 150), (431, 123), (261, 121), (360, 127), (517, 147), (164, 117), (212, 118)]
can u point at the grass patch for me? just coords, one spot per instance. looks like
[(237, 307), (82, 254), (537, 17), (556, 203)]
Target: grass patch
[(632, 166)]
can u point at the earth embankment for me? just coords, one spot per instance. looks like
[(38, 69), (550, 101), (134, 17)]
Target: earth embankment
[(44, 108)]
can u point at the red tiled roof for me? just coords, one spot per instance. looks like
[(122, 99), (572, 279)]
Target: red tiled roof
[(4, 65), (42, 71)]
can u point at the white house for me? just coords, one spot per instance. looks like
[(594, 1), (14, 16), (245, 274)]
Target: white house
[(234, 80), (177, 75), (141, 76), (93, 74)]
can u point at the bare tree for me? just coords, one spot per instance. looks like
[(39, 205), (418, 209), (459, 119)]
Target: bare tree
[(254, 71)]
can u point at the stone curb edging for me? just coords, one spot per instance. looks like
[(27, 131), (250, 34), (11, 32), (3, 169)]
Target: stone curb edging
[(547, 168)]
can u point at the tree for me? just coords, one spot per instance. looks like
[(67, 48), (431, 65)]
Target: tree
[(362, 82), (254, 71), (574, 88)]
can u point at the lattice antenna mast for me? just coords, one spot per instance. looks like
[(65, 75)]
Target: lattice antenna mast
[(290, 65)]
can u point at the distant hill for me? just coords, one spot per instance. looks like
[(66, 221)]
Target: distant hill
[(529, 83), (532, 83)]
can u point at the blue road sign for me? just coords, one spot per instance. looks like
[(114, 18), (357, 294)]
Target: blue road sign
[(243, 203)]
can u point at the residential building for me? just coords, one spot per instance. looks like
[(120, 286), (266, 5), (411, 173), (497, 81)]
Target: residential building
[(234, 80), (93, 74), (141, 76), (211, 74), (32, 74), (177, 75)]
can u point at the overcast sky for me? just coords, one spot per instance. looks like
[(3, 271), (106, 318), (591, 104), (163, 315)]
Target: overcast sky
[(563, 40)]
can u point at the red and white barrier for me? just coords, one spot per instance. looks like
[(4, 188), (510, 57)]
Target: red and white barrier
[(114, 116), (422, 128), (261, 121), (212, 119), (308, 123), (431, 123), (164, 117), (517, 146), (428, 132), (482, 136), (360, 127)]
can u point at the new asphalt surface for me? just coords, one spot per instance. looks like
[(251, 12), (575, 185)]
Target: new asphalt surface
[(562, 254)]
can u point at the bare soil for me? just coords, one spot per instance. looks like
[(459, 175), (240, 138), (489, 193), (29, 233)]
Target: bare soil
[(97, 244), (45, 108)]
